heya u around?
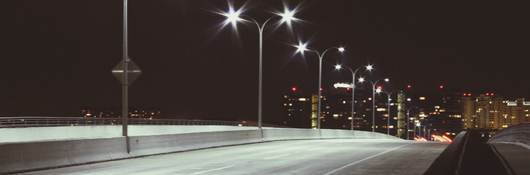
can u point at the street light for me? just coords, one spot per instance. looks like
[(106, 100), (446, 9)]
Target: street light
[(233, 16), (353, 72), (301, 48), (374, 84)]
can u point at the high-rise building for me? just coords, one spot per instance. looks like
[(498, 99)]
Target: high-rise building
[(488, 111), (297, 109)]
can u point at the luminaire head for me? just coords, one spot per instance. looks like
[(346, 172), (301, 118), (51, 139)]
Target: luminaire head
[(369, 67), (387, 79), (287, 15), (361, 79), (338, 67), (233, 16), (301, 47), (378, 90), (341, 49)]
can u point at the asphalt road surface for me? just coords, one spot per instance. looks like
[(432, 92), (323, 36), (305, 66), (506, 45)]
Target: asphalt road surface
[(305, 157)]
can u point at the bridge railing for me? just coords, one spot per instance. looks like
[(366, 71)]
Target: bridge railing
[(16, 122)]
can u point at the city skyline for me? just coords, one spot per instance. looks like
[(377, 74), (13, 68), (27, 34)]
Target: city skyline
[(59, 63)]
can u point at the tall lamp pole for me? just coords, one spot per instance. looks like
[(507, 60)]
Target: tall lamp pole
[(233, 16), (301, 48), (125, 83), (374, 84), (389, 96), (353, 73)]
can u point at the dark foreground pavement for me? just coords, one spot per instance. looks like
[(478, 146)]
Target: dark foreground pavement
[(306, 157)]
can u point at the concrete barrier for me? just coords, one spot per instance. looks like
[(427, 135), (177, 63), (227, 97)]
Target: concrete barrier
[(516, 135), (148, 145), (24, 156), (32, 134)]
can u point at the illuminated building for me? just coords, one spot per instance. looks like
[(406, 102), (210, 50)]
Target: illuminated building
[(300, 109), (133, 113), (297, 109), (488, 111)]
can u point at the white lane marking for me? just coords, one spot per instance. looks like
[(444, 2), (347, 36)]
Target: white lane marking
[(210, 170), (359, 161), (276, 156)]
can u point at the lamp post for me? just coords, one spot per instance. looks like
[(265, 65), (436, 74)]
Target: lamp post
[(301, 48), (353, 73), (374, 84), (233, 16)]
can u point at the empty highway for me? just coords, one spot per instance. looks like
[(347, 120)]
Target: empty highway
[(319, 157)]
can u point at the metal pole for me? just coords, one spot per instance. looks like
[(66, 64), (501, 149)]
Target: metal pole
[(352, 100), (388, 117), (260, 88), (125, 84), (319, 90), (407, 123), (373, 107)]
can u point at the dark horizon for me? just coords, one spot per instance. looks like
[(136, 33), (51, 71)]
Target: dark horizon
[(60, 56)]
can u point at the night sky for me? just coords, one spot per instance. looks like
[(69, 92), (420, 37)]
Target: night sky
[(60, 52)]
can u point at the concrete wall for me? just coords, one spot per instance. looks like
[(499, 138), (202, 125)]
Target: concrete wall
[(516, 135), (23, 156), (33, 134)]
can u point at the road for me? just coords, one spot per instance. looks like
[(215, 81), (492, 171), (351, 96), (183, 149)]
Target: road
[(322, 157)]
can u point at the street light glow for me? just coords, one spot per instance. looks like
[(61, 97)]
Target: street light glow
[(370, 67), (361, 79), (341, 49), (387, 80), (287, 16), (232, 15), (338, 67), (301, 47)]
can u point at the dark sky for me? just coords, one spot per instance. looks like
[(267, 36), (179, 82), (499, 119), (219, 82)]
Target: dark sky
[(60, 52)]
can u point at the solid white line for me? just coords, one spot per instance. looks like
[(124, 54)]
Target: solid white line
[(210, 170), (359, 161)]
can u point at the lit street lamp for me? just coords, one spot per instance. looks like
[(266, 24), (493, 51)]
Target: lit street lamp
[(301, 48), (374, 90), (353, 72), (234, 16)]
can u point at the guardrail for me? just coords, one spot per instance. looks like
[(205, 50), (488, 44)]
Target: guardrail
[(17, 122)]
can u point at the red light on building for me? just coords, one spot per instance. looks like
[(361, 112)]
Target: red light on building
[(492, 94), (488, 94), (294, 89), (441, 86), (409, 86)]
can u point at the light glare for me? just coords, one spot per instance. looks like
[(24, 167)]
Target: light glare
[(361, 79), (338, 67), (341, 49), (287, 15), (370, 67), (232, 15), (301, 47)]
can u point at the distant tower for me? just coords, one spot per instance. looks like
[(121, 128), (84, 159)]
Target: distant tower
[(401, 115), (468, 111), (314, 111)]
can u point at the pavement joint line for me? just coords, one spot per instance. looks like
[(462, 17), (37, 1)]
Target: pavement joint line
[(211, 170), (366, 158)]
